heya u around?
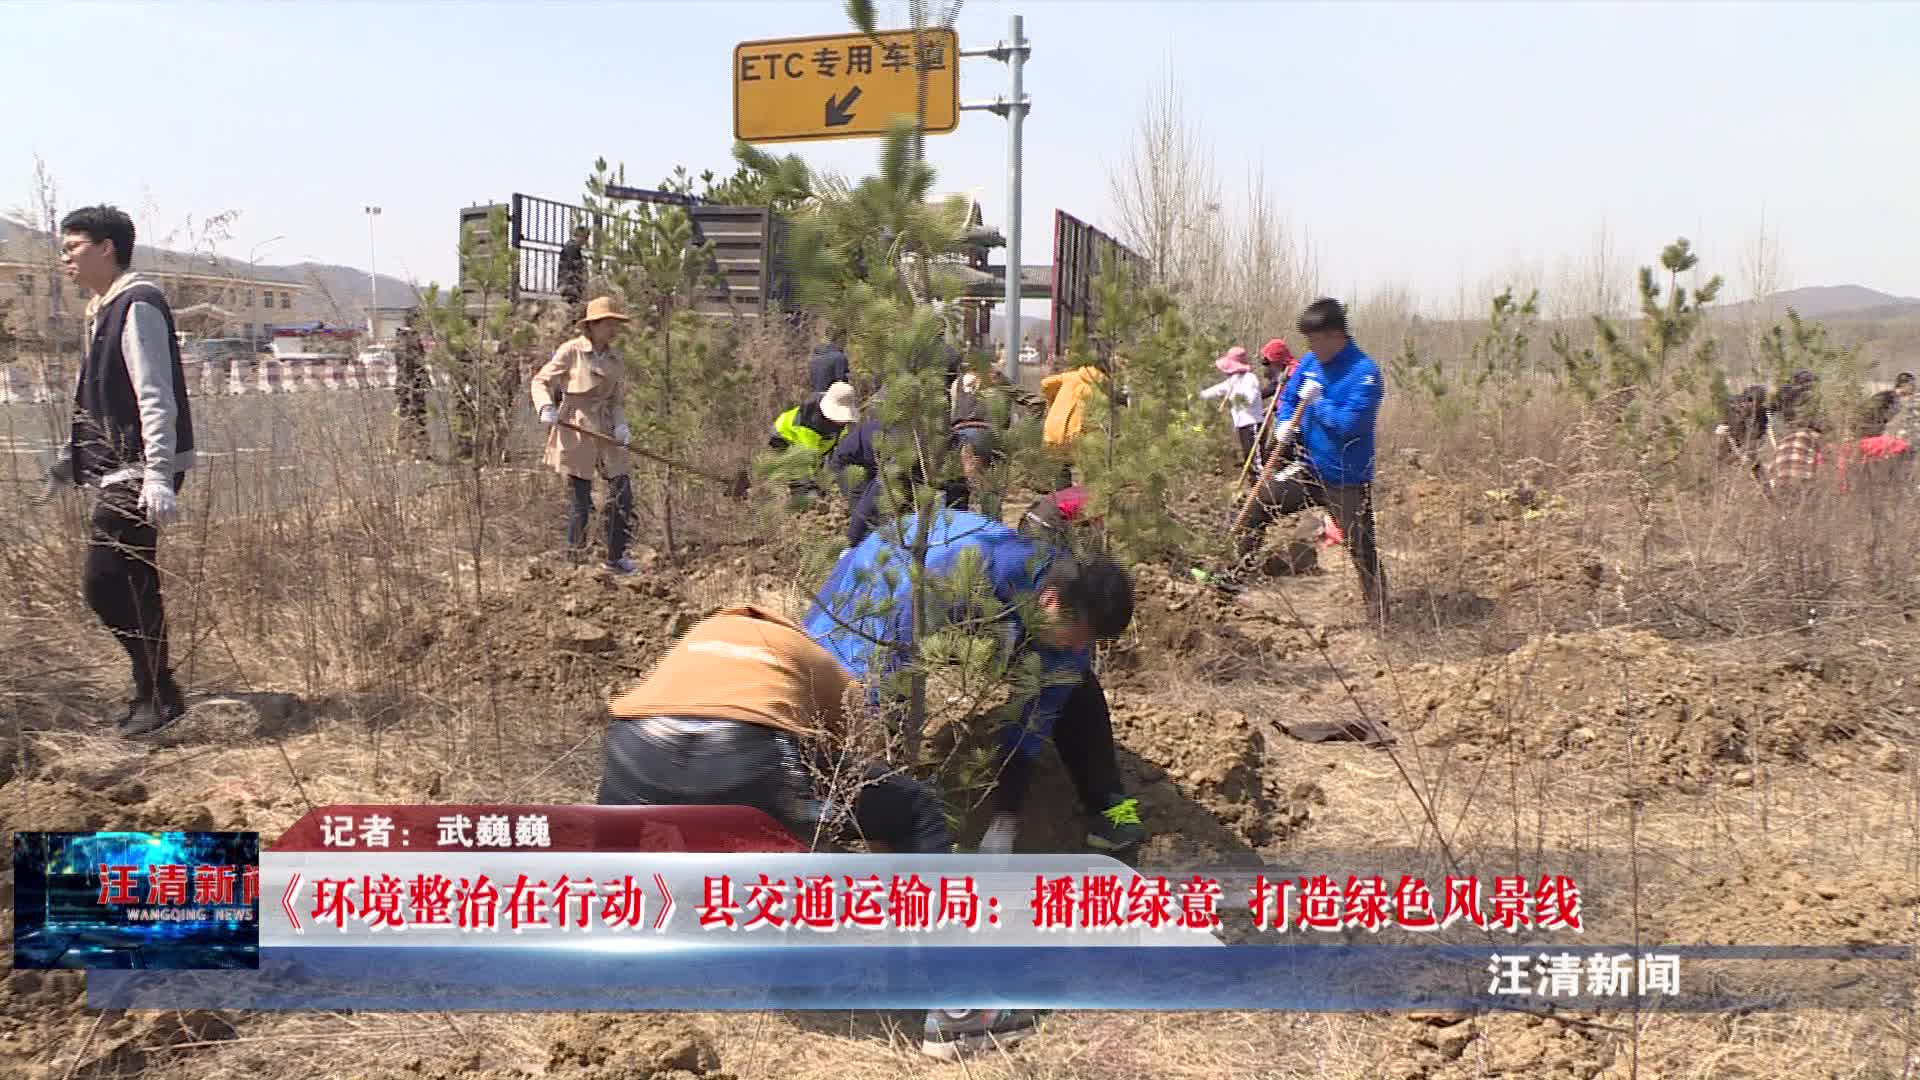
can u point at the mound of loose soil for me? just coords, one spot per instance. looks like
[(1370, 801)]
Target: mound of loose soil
[(1204, 772), (1183, 627), (632, 1048), (1581, 698), (560, 634), (1781, 904), (124, 1044)]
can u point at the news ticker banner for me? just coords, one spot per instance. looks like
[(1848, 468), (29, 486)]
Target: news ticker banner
[(565, 907)]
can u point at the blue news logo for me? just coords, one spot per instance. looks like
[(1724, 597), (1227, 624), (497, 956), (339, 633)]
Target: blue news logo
[(136, 900)]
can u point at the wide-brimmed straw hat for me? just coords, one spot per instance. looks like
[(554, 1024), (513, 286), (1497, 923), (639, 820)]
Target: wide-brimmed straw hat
[(601, 307), (837, 403), (1233, 361)]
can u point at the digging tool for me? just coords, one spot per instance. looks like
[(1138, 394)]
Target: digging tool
[(1268, 471), (736, 485), (1260, 436), (1283, 438)]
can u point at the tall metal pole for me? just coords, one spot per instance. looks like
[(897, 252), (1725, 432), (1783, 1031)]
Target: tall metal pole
[(1016, 112), (373, 280)]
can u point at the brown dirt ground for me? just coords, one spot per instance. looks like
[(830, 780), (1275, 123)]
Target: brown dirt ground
[(1777, 773)]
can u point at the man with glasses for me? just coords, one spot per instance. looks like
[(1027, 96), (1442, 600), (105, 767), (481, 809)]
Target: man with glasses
[(130, 448)]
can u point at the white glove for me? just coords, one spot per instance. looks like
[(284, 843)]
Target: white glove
[(999, 837), (1310, 391), (1721, 430), (158, 502), (549, 414), (621, 433), (59, 475)]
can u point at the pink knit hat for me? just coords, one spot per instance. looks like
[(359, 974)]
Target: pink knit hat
[(1234, 362)]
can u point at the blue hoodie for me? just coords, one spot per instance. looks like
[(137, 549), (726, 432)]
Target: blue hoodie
[(867, 597), (1337, 431)]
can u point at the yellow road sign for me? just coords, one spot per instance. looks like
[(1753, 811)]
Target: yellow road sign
[(841, 86)]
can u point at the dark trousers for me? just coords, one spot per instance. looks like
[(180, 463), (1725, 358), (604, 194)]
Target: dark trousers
[(865, 514), (675, 761), (121, 581), (1352, 507), (1083, 733), (619, 513), (410, 395)]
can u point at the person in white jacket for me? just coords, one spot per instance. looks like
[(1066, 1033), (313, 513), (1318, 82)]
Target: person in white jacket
[(1241, 393)]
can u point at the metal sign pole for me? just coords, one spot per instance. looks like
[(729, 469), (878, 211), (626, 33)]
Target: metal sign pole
[(1016, 325), (1014, 107)]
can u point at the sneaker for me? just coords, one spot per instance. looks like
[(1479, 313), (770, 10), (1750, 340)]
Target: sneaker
[(952, 1034), (1117, 828), (621, 566)]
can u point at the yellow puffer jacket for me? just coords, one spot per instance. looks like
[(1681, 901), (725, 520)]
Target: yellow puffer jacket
[(1069, 395)]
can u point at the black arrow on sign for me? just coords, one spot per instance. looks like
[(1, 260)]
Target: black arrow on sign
[(837, 114)]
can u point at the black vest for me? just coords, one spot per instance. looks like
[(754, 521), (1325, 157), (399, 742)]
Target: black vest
[(106, 412)]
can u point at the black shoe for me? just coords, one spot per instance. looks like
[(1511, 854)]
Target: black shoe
[(156, 715), (126, 715), (952, 1034)]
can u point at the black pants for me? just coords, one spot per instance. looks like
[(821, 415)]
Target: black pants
[(1246, 435), (865, 514), (1352, 507), (675, 761), (1083, 733), (410, 394), (619, 513), (121, 581)]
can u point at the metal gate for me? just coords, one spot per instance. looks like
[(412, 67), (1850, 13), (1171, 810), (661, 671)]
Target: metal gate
[(743, 238), (1080, 253)]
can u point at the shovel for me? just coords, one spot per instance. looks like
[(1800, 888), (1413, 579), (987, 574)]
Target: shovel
[(736, 485)]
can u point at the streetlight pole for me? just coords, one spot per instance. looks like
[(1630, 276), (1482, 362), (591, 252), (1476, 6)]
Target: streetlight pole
[(253, 256), (373, 281)]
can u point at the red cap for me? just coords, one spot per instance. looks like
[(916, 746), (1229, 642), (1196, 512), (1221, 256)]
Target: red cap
[(1276, 351), (1070, 500)]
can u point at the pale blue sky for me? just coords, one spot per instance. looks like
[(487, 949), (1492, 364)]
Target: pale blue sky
[(1434, 146)]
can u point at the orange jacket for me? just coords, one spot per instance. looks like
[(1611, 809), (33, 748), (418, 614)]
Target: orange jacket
[(1069, 394)]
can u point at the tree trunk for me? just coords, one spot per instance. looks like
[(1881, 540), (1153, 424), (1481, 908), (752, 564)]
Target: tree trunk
[(666, 397), (925, 497)]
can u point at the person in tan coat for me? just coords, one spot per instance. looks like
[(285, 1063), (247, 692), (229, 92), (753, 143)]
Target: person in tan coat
[(581, 396)]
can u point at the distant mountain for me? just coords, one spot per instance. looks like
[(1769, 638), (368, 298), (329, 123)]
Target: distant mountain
[(1832, 302), (339, 293), (334, 293)]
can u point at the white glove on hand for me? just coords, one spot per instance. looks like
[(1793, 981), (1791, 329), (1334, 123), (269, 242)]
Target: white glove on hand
[(59, 475), (1310, 391), (1722, 430), (621, 433), (158, 502), (999, 837), (549, 414)]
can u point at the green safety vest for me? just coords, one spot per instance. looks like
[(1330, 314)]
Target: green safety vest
[(789, 428)]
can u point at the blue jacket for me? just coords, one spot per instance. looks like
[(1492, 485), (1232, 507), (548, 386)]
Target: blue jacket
[(866, 601), (1337, 432), (856, 447)]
